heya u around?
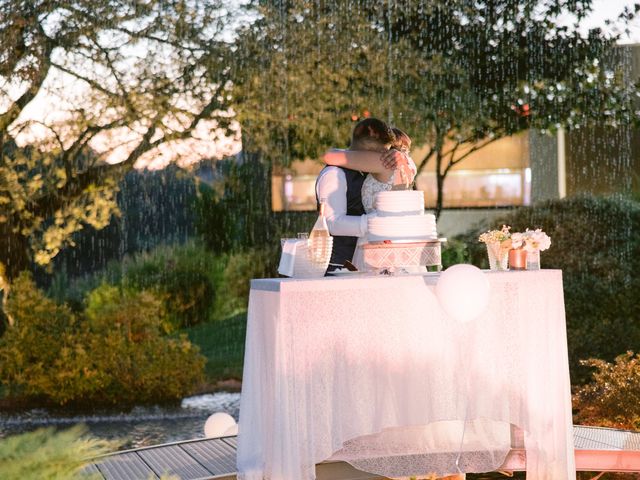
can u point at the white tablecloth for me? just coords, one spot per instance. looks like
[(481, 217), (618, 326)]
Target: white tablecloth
[(372, 371)]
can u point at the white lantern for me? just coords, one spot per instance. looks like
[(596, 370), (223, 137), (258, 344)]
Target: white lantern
[(219, 425), (463, 292), (231, 431)]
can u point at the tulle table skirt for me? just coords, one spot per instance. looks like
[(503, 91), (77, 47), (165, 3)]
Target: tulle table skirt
[(370, 370)]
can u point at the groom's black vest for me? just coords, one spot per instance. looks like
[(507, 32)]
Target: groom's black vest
[(343, 247)]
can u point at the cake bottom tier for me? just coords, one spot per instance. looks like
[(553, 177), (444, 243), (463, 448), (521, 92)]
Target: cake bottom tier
[(416, 254)]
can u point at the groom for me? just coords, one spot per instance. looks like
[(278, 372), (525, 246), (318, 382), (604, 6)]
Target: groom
[(340, 189)]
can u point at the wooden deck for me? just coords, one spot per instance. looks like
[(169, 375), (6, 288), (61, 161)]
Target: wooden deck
[(597, 450)]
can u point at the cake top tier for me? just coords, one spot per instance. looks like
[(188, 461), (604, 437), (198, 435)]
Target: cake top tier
[(400, 202)]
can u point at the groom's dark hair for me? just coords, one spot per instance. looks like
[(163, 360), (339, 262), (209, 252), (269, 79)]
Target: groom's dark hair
[(372, 129)]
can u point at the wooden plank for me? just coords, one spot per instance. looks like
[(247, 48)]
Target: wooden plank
[(125, 466), (215, 455), (233, 441), (173, 460), (91, 472), (597, 449), (607, 461), (598, 438)]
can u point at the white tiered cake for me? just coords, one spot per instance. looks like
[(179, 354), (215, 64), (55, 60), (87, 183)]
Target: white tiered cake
[(400, 218), (401, 235)]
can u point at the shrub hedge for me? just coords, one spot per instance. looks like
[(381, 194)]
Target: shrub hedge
[(114, 352), (612, 398), (47, 453), (185, 276)]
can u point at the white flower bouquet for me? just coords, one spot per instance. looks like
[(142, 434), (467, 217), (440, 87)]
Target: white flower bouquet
[(502, 236), (531, 240), (498, 245)]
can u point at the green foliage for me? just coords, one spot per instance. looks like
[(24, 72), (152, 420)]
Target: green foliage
[(222, 343), (65, 289), (28, 176), (48, 454), (237, 214), (113, 352), (456, 74), (453, 252), (152, 71), (186, 277), (183, 276), (241, 267), (596, 243), (612, 398)]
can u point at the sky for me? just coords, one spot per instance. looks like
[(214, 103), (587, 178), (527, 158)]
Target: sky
[(609, 9)]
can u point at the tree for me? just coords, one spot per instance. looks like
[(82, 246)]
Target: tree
[(456, 74), (305, 71), (125, 79)]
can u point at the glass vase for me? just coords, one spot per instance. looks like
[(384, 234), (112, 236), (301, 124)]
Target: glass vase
[(533, 260), (498, 257)]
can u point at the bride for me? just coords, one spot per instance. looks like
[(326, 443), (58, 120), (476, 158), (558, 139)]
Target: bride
[(379, 179)]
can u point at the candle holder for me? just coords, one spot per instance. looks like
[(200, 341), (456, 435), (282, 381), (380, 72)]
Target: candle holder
[(533, 260), (517, 259)]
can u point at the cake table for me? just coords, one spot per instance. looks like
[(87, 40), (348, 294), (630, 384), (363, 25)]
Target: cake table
[(371, 370)]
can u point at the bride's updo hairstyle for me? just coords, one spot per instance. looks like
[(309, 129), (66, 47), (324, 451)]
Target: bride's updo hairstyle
[(402, 141), (372, 131)]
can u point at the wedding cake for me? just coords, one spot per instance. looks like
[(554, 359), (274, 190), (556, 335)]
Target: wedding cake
[(400, 218)]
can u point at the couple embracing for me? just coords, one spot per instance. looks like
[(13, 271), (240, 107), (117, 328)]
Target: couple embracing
[(377, 160)]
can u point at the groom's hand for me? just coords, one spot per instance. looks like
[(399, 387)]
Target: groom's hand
[(392, 159)]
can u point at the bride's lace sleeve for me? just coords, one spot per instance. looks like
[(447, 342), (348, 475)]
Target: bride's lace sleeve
[(407, 175), (412, 166)]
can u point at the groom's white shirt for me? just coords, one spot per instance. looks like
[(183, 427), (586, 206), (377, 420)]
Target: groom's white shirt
[(332, 187)]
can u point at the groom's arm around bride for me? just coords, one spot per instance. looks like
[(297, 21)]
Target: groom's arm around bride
[(339, 188)]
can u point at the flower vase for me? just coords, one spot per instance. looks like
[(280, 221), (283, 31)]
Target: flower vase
[(533, 260), (498, 257), (517, 259)]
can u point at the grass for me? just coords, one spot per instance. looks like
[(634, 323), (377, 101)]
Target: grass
[(222, 343)]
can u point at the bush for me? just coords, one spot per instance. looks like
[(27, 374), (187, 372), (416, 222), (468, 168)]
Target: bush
[(222, 342), (596, 243), (612, 398), (46, 453), (453, 252), (236, 213), (113, 352), (240, 268), (184, 276)]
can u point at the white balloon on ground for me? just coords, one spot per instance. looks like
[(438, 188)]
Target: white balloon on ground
[(463, 292), (231, 431), (218, 424)]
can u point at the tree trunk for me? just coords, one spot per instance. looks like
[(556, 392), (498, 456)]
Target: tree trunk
[(439, 194), (14, 258), (14, 253), (4, 291), (439, 180)]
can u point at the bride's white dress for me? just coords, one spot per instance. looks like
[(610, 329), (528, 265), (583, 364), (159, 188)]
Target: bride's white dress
[(370, 188)]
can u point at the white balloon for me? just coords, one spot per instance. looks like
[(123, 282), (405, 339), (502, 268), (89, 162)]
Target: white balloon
[(463, 292), (218, 424), (232, 431)]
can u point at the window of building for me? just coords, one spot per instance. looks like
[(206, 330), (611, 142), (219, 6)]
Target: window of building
[(496, 175)]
